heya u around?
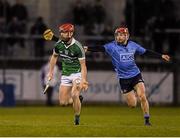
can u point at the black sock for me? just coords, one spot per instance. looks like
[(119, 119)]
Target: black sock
[(81, 98), (146, 117), (77, 116), (77, 119)]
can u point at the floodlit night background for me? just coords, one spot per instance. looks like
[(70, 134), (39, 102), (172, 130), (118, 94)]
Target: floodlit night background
[(155, 24)]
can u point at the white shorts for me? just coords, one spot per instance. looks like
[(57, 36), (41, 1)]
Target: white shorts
[(67, 80)]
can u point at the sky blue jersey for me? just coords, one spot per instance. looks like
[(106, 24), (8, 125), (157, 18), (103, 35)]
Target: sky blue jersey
[(123, 58)]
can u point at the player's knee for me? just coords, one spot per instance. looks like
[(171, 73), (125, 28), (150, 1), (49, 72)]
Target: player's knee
[(63, 103), (132, 105), (76, 88), (76, 85), (75, 95), (142, 98)]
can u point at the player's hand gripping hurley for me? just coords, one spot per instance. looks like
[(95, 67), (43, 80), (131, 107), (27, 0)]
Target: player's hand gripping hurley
[(47, 85)]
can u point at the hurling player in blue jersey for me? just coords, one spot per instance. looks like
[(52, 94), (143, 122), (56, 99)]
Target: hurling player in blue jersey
[(122, 52)]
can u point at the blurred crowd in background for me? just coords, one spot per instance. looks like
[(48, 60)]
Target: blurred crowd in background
[(154, 23)]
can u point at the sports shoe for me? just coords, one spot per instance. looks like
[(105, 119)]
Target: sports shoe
[(81, 98), (147, 124)]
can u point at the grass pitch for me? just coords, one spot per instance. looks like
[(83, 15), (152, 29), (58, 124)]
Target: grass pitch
[(98, 121)]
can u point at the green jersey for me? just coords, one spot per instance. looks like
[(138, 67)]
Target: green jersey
[(70, 54)]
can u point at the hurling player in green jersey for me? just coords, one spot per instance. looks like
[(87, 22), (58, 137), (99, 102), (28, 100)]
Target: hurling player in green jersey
[(74, 71)]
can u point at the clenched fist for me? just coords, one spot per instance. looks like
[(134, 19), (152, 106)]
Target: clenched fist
[(84, 85), (166, 57)]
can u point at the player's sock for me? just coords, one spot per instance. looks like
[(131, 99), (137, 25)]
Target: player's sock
[(77, 119), (146, 119), (81, 98)]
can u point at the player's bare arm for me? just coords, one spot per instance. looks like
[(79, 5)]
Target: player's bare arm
[(84, 83), (52, 63)]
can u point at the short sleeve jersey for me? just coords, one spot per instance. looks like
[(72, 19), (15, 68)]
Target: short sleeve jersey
[(70, 55), (123, 58)]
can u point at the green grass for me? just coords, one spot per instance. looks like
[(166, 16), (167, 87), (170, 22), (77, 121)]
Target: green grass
[(96, 121)]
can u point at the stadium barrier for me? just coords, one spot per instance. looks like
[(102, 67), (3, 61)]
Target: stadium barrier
[(103, 87)]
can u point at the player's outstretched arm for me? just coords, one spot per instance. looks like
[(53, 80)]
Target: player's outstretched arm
[(94, 48), (158, 55), (49, 35)]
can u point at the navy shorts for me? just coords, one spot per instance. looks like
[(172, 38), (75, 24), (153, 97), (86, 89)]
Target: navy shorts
[(127, 85)]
